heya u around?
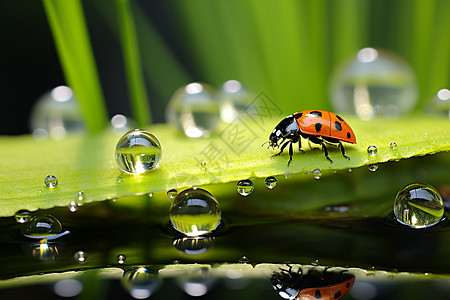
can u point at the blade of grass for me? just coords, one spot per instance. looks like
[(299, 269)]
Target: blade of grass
[(132, 60), (67, 23)]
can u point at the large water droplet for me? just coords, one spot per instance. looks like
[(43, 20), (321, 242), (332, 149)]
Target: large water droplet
[(374, 83), (195, 212), (372, 150), (194, 110), (22, 216), (51, 181), (138, 151), (140, 282), (43, 227), (245, 187), (418, 205), (234, 99), (193, 245), (270, 182), (56, 114)]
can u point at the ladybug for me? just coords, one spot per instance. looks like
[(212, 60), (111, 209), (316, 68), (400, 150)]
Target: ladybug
[(312, 285), (318, 126)]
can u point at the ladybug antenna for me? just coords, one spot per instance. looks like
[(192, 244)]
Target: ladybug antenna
[(264, 143)]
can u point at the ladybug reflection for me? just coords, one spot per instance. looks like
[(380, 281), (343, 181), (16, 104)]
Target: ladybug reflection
[(312, 285)]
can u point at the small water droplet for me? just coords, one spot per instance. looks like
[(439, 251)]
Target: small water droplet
[(22, 216), (42, 227), (203, 165), (350, 170), (418, 205), (315, 262), (140, 282), (245, 187), (193, 245), (150, 194), (243, 260), (80, 196), (372, 150), (270, 182), (121, 258), (80, 256), (138, 151), (195, 212), (317, 173), (393, 145), (287, 175), (373, 168), (172, 193), (73, 206), (119, 179), (51, 181)]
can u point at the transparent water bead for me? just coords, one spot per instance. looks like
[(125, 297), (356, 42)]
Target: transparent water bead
[(194, 110), (245, 187), (22, 216), (138, 151), (51, 181), (43, 227), (440, 103), (56, 114), (234, 99), (73, 206), (80, 197), (372, 150), (44, 250), (270, 182), (195, 212), (418, 205), (393, 145), (372, 168), (80, 256), (121, 259), (194, 245), (172, 193), (317, 174), (140, 282), (374, 83)]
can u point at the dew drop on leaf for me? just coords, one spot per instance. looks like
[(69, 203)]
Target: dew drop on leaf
[(270, 182), (51, 181), (245, 187)]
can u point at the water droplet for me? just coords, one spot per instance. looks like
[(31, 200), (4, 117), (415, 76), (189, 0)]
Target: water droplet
[(51, 181), (372, 150), (234, 99), (317, 173), (193, 245), (203, 165), (73, 206), (287, 175), (172, 193), (56, 114), (80, 196), (121, 258), (243, 260), (194, 110), (373, 168), (270, 182), (393, 145), (195, 212), (121, 124), (350, 170), (140, 282), (150, 194), (80, 256), (138, 151), (366, 85), (245, 187), (418, 205), (440, 103), (119, 179), (315, 262), (43, 250), (22, 216), (43, 227)]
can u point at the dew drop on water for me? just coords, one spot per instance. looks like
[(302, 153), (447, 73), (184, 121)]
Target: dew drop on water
[(172, 193), (393, 145), (374, 83), (418, 205), (245, 187), (140, 282), (80, 256), (22, 216), (270, 182), (51, 181), (373, 168), (137, 152), (195, 212), (234, 99), (73, 206), (317, 173), (372, 150), (194, 110), (121, 258), (42, 227)]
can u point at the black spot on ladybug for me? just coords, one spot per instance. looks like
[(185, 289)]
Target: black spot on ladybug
[(347, 285), (339, 118), (349, 135), (318, 127), (317, 295), (337, 294), (315, 113), (338, 126)]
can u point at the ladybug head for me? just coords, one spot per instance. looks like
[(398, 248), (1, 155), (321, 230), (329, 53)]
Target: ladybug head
[(284, 130)]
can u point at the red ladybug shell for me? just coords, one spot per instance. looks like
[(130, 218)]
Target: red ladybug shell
[(326, 124), (330, 292)]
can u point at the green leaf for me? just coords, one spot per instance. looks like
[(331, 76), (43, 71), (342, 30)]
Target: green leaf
[(87, 163)]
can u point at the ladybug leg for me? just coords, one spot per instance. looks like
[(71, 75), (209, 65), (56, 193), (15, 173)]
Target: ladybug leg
[(343, 151), (291, 152), (324, 147), (282, 149), (300, 145)]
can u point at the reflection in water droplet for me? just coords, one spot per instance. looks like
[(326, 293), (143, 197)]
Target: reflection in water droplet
[(80, 256), (44, 250), (372, 150), (373, 168), (234, 99), (73, 206), (51, 181), (121, 258), (317, 173), (194, 110), (245, 187), (270, 182), (375, 83), (43, 227), (22, 216), (393, 145), (172, 193), (140, 282), (418, 205), (193, 245), (138, 151), (195, 212)]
